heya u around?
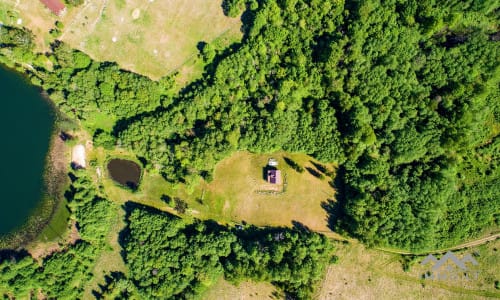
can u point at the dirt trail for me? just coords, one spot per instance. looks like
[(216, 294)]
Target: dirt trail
[(474, 243)]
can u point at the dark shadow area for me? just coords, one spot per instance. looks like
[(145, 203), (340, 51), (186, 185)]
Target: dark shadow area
[(13, 255), (453, 40), (294, 165), (300, 226), (319, 167), (64, 136), (337, 219), (201, 46), (495, 36), (167, 199), (265, 170), (315, 173), (76, 166)]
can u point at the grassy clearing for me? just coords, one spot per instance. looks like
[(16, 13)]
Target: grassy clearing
[(235, 193), (153, 38), (224, 290), (58, 225), (150, 38), (371, 274)]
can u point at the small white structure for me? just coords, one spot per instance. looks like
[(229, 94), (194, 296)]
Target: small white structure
[(78, 157), (272, 162)]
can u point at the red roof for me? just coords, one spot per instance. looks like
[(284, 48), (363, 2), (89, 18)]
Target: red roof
[(56, 6)]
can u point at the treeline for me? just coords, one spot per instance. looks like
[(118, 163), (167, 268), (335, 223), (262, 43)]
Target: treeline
[(402, 94), (64, 274), (169, 258)]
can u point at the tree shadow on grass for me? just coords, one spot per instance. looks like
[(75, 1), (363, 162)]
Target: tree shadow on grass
[(336, 208), (315, 173)]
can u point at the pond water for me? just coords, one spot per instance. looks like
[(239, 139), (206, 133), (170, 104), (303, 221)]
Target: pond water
[(26, 124), (125, 172)]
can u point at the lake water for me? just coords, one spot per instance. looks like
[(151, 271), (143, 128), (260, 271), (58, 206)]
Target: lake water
[(26, 123), (125, 172)]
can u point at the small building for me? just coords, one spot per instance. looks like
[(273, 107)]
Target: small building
[(272, 162), (274, 176), (55, 6)]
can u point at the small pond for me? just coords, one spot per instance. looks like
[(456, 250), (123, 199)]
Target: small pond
[(125, 172)]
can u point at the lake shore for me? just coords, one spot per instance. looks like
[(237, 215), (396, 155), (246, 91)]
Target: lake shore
[(55, 180)]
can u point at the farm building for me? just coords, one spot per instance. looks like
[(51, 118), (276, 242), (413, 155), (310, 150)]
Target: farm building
[(55, 6), (274, 176)]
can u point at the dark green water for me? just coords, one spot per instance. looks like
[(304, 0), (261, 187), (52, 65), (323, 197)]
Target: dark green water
[(26, 123)]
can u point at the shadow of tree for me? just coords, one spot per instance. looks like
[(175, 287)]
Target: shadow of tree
[(335, 208)]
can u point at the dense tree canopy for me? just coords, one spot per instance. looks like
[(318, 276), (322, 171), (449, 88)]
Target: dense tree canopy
[(171, 259), (402, 94)]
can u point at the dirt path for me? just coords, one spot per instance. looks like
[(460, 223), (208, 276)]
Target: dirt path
[(474, 243)]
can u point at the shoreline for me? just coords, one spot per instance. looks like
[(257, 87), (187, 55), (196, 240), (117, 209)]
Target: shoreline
[(54, 182)]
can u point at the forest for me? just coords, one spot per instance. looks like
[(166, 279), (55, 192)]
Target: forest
[(402, 95), (161, 248)]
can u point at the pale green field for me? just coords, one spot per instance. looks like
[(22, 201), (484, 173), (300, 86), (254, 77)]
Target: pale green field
[(152, 38)]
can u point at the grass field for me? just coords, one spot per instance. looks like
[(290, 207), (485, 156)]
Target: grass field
[(224, 290), (235, 194), (153, 38), (371, 274)]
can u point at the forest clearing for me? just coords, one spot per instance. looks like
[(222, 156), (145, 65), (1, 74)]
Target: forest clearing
[(306, 149)]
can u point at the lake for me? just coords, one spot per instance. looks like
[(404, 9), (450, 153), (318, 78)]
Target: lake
[(125, 172), (26, 124)]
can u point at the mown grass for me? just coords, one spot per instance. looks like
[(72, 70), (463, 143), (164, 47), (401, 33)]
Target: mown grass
[(224, 290)]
